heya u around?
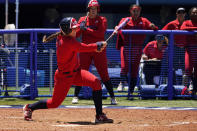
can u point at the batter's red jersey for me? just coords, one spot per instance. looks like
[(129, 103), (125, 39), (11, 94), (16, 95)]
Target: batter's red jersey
[(189, 25), (151, 50), (175, 25), (140, 24), (67, 49), (95, 31)]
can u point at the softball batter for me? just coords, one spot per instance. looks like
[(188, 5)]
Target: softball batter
[(69, 72)]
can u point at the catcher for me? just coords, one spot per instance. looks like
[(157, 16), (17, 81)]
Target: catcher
[(92, 29)]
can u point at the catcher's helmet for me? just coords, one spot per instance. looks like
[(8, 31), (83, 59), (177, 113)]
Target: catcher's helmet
[(67, 24), (93, 3)]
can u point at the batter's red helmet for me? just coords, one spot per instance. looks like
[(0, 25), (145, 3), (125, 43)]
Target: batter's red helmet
[(93, 3), (67, 24)]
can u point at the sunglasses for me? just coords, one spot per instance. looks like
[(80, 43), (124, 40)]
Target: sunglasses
[(159, 37), (180, 12)]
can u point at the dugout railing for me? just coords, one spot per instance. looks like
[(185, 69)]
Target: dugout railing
[(34, 37)]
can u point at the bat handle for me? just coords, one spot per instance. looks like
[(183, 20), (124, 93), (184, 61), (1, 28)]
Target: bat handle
[(111, 35)]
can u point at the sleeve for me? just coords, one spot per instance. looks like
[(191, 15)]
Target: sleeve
[(122, 20), (169, 27), (120, 40), (146, 50), (186, 26), (101, 28), (147, 24), (79, 32), (81, 47)]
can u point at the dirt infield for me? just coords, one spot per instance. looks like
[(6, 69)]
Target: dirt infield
[(83, 120)]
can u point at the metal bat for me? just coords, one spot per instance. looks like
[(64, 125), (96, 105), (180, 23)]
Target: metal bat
[(118, 28)]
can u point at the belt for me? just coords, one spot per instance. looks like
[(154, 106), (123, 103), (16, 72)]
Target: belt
[(75, 70)]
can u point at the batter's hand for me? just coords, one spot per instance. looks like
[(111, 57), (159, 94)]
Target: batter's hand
[(83, 25), (44, 39), (116, 30), (101, 45)]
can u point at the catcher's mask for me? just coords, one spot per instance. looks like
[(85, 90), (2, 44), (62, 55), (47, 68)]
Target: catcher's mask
[(67, 24)]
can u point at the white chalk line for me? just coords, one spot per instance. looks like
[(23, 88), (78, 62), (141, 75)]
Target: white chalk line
[(142, 125), (68, 125), (13, 117)]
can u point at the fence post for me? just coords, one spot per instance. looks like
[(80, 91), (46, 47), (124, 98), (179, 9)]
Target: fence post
[(31, 78), (34, 90), (170, 69)]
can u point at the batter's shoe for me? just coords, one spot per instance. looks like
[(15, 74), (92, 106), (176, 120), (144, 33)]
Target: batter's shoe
[(102, 118), (75, 100), (27, 113), (113, 101)]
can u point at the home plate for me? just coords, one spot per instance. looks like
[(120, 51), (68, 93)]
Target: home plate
[(69, 125)]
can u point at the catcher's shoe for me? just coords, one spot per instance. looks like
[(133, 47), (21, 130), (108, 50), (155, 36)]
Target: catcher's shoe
[(27, 113), (120, 87), (102, 118), (75, 100), (113, 101)]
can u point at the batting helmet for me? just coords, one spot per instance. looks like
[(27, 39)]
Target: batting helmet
[(93, 3), (67, 24)]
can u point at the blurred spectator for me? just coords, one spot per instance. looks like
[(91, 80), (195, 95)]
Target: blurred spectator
[(52, 18), (10, 39), (153, 54), (131, 49), (191, 50), (165, 12), (4, 53), (178, 57)]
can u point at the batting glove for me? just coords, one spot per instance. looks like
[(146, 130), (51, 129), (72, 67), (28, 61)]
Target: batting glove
[(83, 25), (101, 45)]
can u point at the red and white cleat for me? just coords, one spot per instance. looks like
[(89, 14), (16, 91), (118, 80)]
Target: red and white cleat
[(27, 113), (102, 118)]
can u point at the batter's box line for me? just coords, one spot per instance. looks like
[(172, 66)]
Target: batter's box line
[(113, 107)]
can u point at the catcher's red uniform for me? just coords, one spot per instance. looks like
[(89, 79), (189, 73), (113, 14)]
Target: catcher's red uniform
[(151, 50), (135, 46), (95, 31), (68, 72)]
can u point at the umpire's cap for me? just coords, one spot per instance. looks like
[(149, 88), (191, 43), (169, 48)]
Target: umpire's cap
[(67, 24)]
